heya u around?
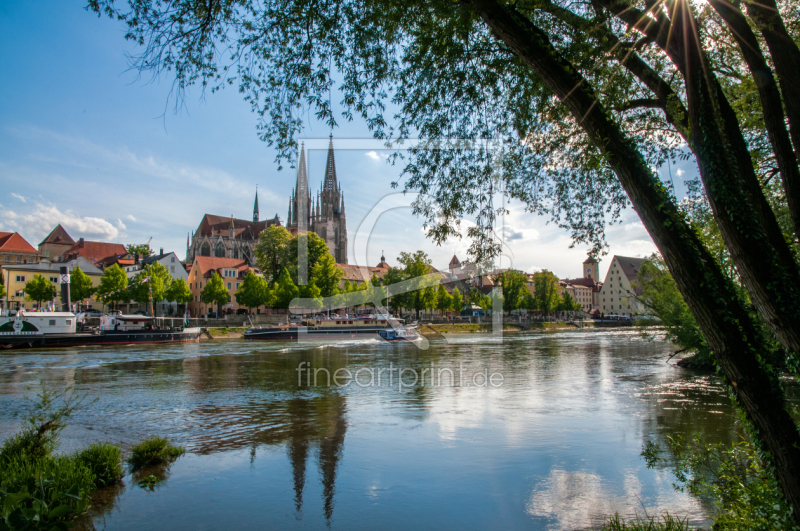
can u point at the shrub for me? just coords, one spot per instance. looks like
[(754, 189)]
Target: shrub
[(35, 489), (104, 460), (744, 491), (667, 522), (153, 451)]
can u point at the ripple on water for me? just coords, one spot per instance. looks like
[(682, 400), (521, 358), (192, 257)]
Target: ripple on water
[(555, 446)]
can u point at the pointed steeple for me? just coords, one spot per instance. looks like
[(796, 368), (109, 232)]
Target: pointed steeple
[(255, 207), (302, 174), (330, 169)]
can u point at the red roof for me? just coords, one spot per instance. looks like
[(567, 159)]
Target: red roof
[(59, 235), (12, 242), (94, 251), (243, 229), (207, 265)]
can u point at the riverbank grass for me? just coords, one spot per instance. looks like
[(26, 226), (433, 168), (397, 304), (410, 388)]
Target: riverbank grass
[(104, 460), (666, 522), (153, 451)]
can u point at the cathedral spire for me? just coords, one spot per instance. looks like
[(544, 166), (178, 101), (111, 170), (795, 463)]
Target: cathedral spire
[(255, 208), (330, 169), (302, 174)]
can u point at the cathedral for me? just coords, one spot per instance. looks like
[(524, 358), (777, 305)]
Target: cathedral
[(228, 237), (323, 214)]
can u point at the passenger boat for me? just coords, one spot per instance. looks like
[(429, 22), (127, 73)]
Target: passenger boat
[(367, 326), (60, 329), (406, 333)]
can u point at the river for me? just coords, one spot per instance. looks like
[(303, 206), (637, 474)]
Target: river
[(534, 431)]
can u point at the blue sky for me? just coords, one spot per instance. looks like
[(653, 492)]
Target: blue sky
[(86, 143)]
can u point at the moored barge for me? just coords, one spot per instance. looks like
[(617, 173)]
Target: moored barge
[(60, 329), (363, 327)]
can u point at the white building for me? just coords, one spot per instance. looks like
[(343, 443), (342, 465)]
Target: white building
[(617, 294), (172, 264)]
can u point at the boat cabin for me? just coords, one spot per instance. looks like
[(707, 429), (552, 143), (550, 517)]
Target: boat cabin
[(125, 323), (38, 323)]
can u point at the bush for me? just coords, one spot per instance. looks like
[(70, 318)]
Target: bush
[(153, 451), (744, 491), (47, 490), (104, 460), (666, 523)]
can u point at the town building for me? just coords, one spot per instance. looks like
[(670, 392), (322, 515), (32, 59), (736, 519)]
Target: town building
[(14, 277), (56, 244), (98, 253), (356, 275), (232, 271), (618, 293), (14, 249), (323, 215), (172, 264), (227, 237), (587, 288)]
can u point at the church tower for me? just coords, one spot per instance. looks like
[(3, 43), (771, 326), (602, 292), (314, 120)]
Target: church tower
[(255, 208), (328, 220), (299, 204), (590, 269)]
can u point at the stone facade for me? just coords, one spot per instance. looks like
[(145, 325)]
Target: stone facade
[(227, 237), (323, 215)]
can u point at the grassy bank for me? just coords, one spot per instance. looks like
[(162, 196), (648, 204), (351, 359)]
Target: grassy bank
[(458, 328), (43, 490), (233, 332)]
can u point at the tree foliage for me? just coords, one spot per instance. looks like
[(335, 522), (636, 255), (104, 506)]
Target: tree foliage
[(151, 283), (80, 286), (661, 297), (141, 249), (40, 289), (285, 290), (253, 292), (215, 292), (515, 284), (545, 291), (326, 275), (113, 285), (272, 251), (178, 291)]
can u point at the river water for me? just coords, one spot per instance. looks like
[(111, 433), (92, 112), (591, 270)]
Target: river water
[(535, 431)]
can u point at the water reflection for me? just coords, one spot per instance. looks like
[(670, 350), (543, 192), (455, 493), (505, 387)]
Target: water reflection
[(555, 447)]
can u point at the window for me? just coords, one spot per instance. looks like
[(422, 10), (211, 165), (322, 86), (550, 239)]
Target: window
[(19, 259), (68, 322), (172, 260), (54, 280), (52, 322), (20, 278), (171, 269), (8, 258), (229, 285), (237, 285)]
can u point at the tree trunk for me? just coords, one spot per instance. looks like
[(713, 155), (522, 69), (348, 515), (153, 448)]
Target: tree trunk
[(786, 58), (747, 223), (770, 103), (710, 295)]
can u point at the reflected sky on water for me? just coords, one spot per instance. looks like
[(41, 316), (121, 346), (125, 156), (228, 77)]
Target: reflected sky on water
[(555, 446)]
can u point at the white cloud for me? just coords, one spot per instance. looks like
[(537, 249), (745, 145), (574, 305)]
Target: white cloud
[(680, 172), (374, 155), (121, 225), (37, 223), (130, 218), (21, 198)]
